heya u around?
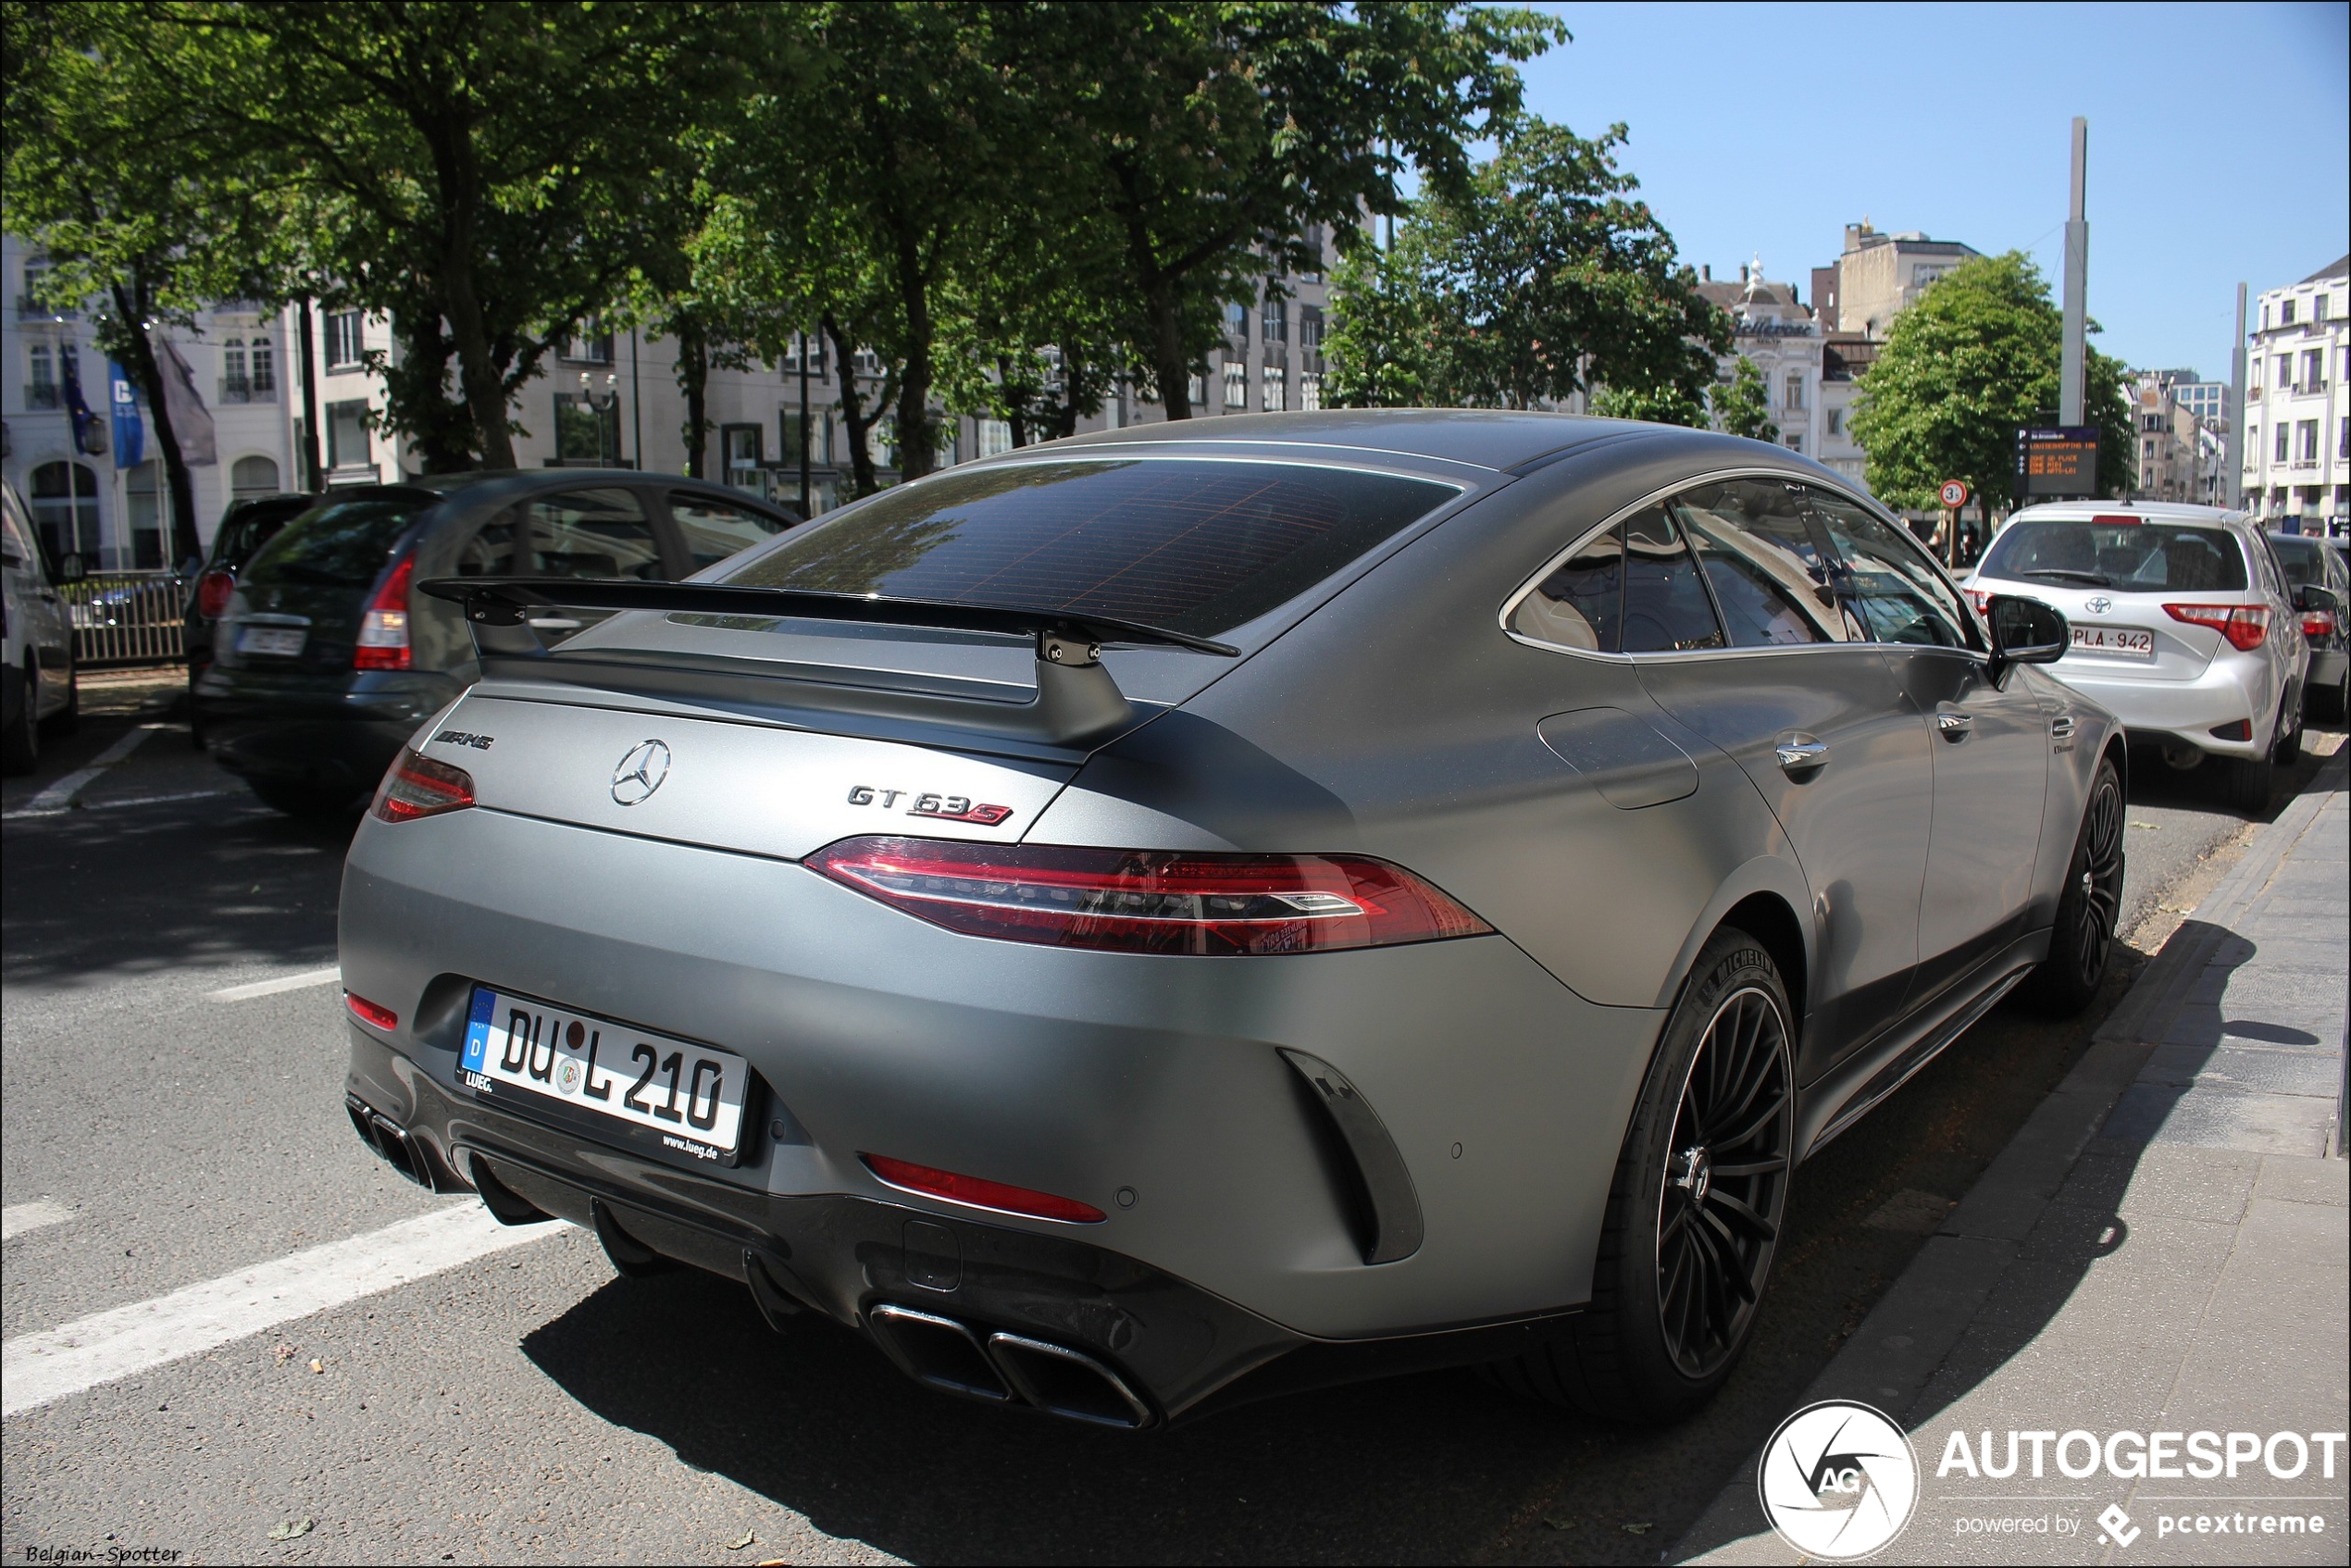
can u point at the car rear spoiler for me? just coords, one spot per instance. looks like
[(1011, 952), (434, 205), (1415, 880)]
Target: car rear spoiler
[(1077, 700)]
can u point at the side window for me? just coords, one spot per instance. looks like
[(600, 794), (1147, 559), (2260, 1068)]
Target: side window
[(1578, 605), (1764, 564), (1886, 581), (714, 530), (1665, 605), (600, 533), (490, 552)]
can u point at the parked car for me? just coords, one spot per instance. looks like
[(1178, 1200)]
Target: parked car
[(2181, 623), (1204, 909), (244, 529), (324, 659), (38, 690), (2321, 587)]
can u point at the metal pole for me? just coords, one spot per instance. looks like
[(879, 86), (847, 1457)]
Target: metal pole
[(803, 427), (2234, 449), (636, 404), (2077, 269), (309, 406)]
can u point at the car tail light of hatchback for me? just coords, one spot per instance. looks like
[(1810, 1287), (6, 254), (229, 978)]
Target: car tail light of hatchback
[(2246, 626), (384, 630), (2317, 623), (1150, 901), (213, 590), (417, 786)]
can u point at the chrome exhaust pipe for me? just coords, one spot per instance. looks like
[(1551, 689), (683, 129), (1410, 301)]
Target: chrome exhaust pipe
[(939, 1352), (1069, 1383), (390, 1140)]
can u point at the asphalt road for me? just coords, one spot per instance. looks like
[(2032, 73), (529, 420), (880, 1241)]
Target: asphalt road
[(530, 1404)]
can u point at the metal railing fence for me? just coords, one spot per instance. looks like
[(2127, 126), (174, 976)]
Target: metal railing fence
[(127, 618)]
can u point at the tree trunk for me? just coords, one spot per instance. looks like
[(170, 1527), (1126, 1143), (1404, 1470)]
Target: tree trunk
[(417, 391), (1015, 403), (1073, 398), (693, 379), (478, 371), (852, 410), (132, 306), (1164, 301), (915, 445)]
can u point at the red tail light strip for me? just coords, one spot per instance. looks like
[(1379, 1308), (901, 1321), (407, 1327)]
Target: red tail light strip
[(980, 1193), (417, 786), (369, 1013), (1150, 901), (384, 630), (2246, 626)]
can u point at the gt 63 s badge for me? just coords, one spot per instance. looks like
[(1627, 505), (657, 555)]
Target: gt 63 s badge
[(945, 808)]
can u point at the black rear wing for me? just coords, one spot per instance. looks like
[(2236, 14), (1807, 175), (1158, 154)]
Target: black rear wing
[(1077, 700)]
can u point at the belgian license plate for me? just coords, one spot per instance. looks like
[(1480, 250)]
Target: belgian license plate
[(2114, 642), (670, 1092), (282, 640)]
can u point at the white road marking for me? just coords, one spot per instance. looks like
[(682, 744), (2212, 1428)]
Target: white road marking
[(36, 1369), (283, 983), (59, 796), (18, 1218)]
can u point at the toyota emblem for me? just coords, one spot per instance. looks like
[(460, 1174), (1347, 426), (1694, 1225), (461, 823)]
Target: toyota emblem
[(640, 773), (2097, 604)]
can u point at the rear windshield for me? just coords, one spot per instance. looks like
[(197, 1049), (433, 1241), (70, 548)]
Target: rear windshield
[(242, 535), (1189, 545), (342, 543), (2303, 560), (2134, 557)]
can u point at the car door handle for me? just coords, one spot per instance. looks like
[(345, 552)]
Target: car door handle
[(1955, 726), (1802, 756)]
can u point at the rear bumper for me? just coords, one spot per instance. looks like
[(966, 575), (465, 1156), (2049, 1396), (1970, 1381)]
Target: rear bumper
[(1151, 1088), (2230, 690), (320, 734)]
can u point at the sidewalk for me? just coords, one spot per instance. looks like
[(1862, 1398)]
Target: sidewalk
[(2164, 1247)]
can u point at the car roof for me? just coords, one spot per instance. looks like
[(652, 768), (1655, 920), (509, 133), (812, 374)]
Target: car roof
[(1485, 438), (2145, 511)]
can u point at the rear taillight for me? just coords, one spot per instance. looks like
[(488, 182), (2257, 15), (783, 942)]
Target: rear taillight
[(1150, 901), (384, 630), (2246, 626), (369, 1011), (980, 1192), (1982, 600), (213, 590), (416, 786), (2317, 623)]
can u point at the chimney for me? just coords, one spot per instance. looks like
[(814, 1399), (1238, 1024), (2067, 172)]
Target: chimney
[(1705, 272)]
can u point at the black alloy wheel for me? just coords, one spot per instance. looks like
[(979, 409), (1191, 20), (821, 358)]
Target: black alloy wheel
[(2081, 944), (1724, 1184)]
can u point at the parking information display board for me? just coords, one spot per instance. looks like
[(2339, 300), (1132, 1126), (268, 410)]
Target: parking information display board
[(2057, 460)]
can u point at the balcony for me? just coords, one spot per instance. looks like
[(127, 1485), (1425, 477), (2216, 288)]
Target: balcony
[(247, 390), (30, 309)]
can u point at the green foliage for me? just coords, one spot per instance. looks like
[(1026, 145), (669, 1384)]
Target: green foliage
[(1534, 279), (1976, 357), (1744, 409)]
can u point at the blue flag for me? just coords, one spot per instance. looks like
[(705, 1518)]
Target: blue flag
[(130, 435)]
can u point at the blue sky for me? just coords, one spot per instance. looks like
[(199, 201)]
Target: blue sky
[(2219, 140)]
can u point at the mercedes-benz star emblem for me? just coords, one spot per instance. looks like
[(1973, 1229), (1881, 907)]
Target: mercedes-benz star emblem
[(2097, 604), (640, 772)]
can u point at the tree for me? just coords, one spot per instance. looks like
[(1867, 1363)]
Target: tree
[(111, 176), (1975, 358), (1212, 136), (1743, 407), (1536, 280)]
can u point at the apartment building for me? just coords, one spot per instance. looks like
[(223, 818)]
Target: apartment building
[(2297, 410), (1771, 326), (2175, 440)]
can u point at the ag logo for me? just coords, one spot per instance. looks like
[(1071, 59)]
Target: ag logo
[(1839, 1480), (640, 772), (2097, 604)]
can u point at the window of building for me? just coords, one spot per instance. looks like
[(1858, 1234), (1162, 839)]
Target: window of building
[(820, 437), (591, 345), (1276, 390), (2282, 441), (740, 447), (2318, 308), (234, 387), (2342, 437), (1792, 391), (347, 435), (64, 510), (1309, 337), (2286, 370), (1836, 421), (41, 387), (1194, 389), (345, 343), (2306, 435), (1310, 389), (263, 373), (810, 343), (250, 477), (996, 435), (1237, 324), (1313, 237), (2314, 369), (1277, 320), (1794, 442), (2285, 313), (2252, 445), (1236, 383)]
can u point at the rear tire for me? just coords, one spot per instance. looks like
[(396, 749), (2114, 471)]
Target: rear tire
[(2083, 944), (1693, 1218), (2288, 750), (67, 719), (2251, 780), (20, 743), (308, 803)]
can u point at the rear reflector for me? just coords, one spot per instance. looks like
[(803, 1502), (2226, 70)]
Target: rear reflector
[(978, 1193), (2246, 626), (2241, 730), (213, 590), (368, 1013), (1150, 901), (384, 630), (416, 786)]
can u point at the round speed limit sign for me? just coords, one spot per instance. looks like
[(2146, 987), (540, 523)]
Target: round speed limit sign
[(1954, 494)]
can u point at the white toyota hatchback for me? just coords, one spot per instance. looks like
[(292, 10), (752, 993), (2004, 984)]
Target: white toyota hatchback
[(2182, 625)]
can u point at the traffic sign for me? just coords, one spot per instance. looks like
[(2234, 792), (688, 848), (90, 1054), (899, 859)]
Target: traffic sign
[(1954, 493)]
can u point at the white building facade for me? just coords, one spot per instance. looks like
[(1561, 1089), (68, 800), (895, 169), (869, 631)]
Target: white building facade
[(1770, 327), (2298, 404)]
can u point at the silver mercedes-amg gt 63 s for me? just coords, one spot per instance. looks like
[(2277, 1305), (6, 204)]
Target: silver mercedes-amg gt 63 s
[(1148, 922)]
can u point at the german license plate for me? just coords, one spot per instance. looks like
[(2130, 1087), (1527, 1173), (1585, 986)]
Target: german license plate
[(282, 640), (670, 1092), (2114, 642)]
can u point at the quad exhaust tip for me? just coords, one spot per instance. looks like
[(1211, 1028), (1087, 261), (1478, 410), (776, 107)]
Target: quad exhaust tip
[(389, 1140), (1004, 1368)]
